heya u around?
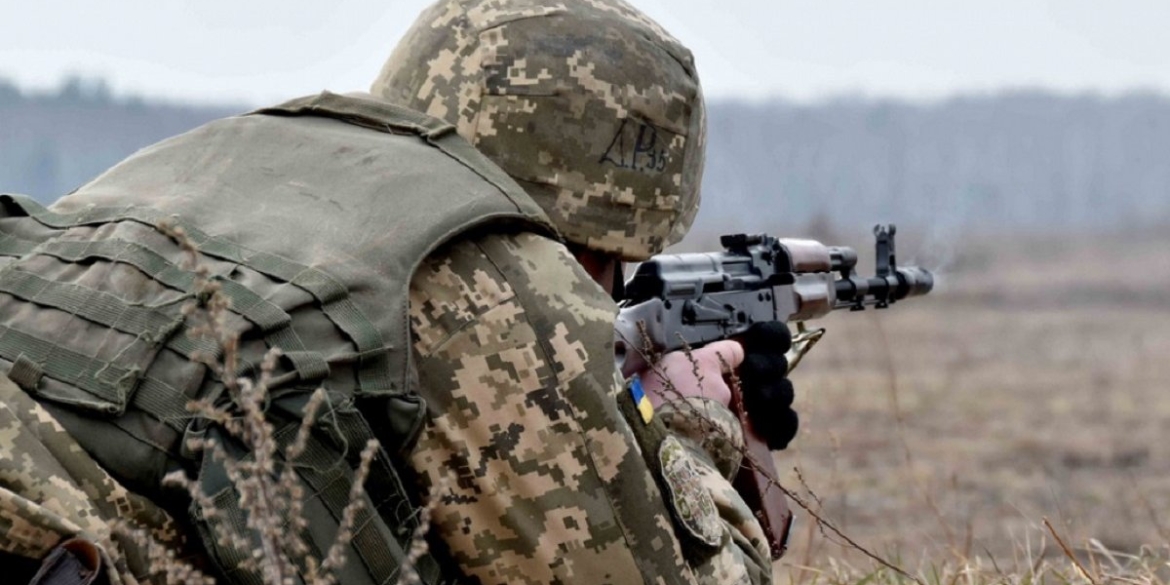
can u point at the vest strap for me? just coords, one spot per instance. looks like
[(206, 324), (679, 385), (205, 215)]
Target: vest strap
[(374, 371), (26, 373), (275, 323), (10, 245), (381, 553), (108, 383), (162, 401), (151, 326)]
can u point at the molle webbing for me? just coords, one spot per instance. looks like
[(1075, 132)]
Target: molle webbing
[(11, 245), (150, 325), (381, 547), (270, 319), (109, 384), (113, 385), (382, 554), (146, 324)]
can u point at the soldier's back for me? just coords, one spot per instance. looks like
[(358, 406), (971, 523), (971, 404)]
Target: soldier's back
[(310, 217)]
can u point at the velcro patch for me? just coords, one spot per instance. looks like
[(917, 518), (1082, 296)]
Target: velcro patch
[(641, 401), (693, 506)]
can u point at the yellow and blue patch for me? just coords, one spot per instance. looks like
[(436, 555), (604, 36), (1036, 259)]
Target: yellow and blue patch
[(641, 400)]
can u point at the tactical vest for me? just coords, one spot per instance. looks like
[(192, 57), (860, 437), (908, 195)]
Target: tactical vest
[(312, 216)]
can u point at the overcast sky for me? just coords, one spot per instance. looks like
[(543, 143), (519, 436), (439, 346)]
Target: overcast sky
[(258, 51)]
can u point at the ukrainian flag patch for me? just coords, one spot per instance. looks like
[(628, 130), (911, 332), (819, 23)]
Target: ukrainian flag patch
[(641, 400)]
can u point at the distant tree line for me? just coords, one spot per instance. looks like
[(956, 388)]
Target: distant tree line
[(52, 142), (1011, 160), (1006, 161)]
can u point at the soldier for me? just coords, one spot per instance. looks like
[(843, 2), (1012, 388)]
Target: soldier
[(423, 285), (598, 114)]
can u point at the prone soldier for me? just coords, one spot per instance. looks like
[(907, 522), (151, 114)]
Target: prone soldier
[(446, 277)]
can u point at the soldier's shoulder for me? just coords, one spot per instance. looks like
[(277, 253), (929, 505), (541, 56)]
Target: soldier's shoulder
[(479, 271), (510, 264)]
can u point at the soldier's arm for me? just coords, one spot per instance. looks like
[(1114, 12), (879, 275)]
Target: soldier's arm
[(537, 476)]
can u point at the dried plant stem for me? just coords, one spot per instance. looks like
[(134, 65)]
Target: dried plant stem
[(418, 540), (772, 480), (893, 387), (1068, 553), (268, 485)]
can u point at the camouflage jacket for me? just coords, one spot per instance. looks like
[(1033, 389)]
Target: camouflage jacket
[(51, 491), (535, 475)]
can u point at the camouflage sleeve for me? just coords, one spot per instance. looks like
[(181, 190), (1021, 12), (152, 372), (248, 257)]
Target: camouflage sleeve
[(535, 474), (711, 426), (51, 491), (712, 433)]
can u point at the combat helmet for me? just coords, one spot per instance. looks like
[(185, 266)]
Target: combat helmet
[(588, 104)]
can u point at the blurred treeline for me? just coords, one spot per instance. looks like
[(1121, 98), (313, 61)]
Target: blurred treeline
[(1030, 160), (52, 142)]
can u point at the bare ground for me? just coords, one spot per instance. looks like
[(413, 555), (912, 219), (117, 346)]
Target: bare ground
[(1034, 383)]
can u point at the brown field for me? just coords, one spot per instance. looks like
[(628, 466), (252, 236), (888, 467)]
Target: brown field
[(1033, 383)]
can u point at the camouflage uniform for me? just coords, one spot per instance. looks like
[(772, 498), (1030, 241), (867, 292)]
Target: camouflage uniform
[(597, 112), (51, 491), (539, 472), (537, 476)]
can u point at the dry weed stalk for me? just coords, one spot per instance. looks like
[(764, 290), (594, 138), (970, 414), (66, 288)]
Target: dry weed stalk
[(162, 560), (649, 355), (270, 492), (1068, 553), (1148, 568), (893, 387), (418, 540)]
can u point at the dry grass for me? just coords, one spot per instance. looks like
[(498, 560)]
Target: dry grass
[(1034, 383), (270, 493)]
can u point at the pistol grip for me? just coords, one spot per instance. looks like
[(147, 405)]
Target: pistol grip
[(757, 482)]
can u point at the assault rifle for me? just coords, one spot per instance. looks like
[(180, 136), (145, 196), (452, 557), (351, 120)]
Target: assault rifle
[(674, 301)]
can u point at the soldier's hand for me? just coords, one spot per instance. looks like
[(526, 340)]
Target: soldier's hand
[(767, 391), (758, 359), (702, 373)]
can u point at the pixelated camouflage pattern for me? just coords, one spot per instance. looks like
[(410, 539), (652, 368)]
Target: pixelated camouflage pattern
[(536, 474), (51, 490), (744, 556), (709, 424), (693, 506), (591, 106)]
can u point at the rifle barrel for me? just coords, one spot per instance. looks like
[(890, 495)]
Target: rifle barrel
[(855, 292)]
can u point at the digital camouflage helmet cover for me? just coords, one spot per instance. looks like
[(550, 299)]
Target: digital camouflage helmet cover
[(588, 104)]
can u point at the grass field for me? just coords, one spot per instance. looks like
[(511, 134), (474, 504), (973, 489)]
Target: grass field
[(1033, 383)]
